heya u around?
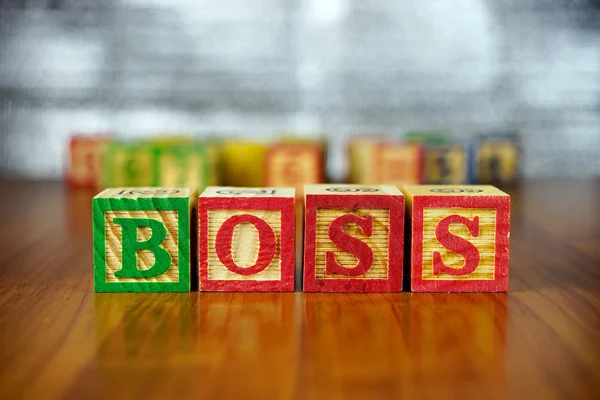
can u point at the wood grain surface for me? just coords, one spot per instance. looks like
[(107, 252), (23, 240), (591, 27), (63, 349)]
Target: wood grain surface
[(61, 340), (145, 258), (485, 242), (245, 245), (378, 241)]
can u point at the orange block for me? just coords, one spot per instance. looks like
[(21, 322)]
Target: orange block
[(86, 161), (294, 165), (400, 164)]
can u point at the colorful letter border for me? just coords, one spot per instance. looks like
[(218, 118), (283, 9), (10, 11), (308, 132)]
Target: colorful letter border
[(286, 246), (395, 205), (179, 204), (502, 243)]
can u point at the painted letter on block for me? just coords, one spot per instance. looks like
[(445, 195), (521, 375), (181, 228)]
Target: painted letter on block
[(142, 239), (460, 238), (292, 165), (86, 161), (353, 238), (246, 239)]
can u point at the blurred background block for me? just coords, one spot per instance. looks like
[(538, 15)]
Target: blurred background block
[(235, 68)]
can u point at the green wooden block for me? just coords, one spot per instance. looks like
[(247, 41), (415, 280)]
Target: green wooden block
[(142, 239), (183, 165), (129, 164), (426, 137)]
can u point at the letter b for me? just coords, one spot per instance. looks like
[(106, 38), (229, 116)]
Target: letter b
[(130, 247)]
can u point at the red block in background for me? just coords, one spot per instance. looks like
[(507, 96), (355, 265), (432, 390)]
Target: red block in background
[(398, 164), (288, 165), (86, 160)]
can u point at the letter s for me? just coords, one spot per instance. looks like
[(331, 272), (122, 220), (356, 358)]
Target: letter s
[(348, 243), (457, 245)]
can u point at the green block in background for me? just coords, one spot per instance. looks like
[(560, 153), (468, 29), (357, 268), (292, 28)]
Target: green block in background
[(183, 165), (426, 137), (129, 164), (178, 163)]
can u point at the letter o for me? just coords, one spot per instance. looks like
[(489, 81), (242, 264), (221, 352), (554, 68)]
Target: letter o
[(267, 244)]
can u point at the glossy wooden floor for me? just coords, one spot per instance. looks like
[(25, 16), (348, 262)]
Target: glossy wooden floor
[(539, 341)]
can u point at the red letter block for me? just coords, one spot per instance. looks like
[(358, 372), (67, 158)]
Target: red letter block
[(353, 238), (460, 238), (246, 239), (86, 160), (288, 165)]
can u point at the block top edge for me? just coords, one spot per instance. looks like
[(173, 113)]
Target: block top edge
[(144, 192), (234, 191), (452, 190), (352, 189)]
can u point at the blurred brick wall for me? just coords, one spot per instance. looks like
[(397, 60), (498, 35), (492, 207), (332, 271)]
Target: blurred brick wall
[(336, 66)]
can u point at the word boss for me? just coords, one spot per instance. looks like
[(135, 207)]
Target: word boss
[(460, 238), (246, 239), (353, 238), (142, 239)]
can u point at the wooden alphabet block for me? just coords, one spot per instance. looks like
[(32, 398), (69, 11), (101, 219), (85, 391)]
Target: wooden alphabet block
[(447, 164), (293, 165), (244, 163), (185, 165), (400, 164), (460, 238), (498, 159), (353, 238), (129, 164), (85, 161), (142, 239), (246, 239), (426, 137), (363, 159)]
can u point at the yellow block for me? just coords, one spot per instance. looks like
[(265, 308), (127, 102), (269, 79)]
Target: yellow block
[(362, 154), (504, 155), (446, 165), (243, 163)]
